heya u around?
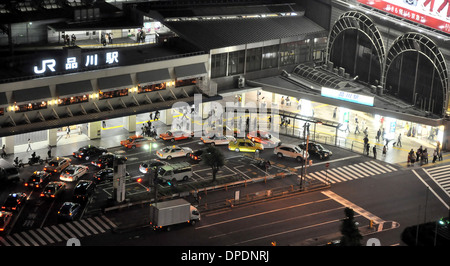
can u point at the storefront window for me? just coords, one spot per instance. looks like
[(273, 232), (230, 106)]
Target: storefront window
[(30, 107), (236, 63), (270, 56), (185, 82), (218, 65), (254, 58), (152, 87), (113, 94), (73, 100)]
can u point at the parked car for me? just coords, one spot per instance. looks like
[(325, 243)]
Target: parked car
[(89, 152), (290, 151), (57, 164), (5, 219), (83, 190), (245, 145), (107, 160), (151, 165), (73, 173), (138, 141), (69, 210), (217, 139), (106, 174), (265, 138), (176, 135), (37, 179), (316, 149), (14, 201), (170, 152), (53, 189)]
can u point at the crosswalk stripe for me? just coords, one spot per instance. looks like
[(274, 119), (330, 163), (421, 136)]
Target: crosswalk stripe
[(387, 167), (363, 169), (55, 228), (13, 241), (441, 176), (353, 171), (337, 174), (4, 241), (369, 169), (358, 170), (18, 237), (88, 226), (332, 178), (64, 228), (318, 178), (378, 167), (29, 238), (37, 237), (348, 173), (102, 223), (49, 240), (76, 223), (79, 234), (96, 225), (56, 237), (109, 221)]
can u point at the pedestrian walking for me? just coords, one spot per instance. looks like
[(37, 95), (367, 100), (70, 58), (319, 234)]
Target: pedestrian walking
[(29, 145), (366, 132), (334, 112), (374, 149), (49, 152), (440, 155), (104, 124), (378, 135), (399, 140), (357, 129), (425, 156), (384, 150), (68, 132), (435, 155), (110, 38), (368, 148), (3, 151)]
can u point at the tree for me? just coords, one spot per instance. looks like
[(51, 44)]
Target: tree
[(213, 158), (350, 233)]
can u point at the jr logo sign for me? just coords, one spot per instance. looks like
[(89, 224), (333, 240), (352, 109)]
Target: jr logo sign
[(49, 63)]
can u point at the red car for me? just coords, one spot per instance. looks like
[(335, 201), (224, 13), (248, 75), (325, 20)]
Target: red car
[(134, 141), (176, 135), (264, 138)]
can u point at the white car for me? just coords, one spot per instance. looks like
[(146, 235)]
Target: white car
[(217, 139), (170, 152), (73, 172), (292, 151)]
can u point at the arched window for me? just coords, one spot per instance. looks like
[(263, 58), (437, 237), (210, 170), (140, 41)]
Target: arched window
[(355, 44), (416, 72)]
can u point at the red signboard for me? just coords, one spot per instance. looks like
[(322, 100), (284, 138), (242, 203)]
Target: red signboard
[(432, 13)]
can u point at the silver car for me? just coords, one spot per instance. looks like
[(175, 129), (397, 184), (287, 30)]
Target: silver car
[(291, 151)]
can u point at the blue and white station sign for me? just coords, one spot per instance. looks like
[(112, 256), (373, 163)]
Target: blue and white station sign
[(347, 96)]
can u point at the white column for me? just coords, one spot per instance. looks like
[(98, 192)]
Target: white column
[(9, 143), (129, 123), (52, 136), (95, 130)]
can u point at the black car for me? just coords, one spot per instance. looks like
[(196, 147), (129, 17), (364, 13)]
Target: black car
[(197, 155), (69, 210), (88, 152), (83, 190), (107, 160), (37, 179), (14, 201), (316, 149), (151, 165), (106, 174)]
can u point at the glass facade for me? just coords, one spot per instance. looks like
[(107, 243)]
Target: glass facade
[(267, 57)]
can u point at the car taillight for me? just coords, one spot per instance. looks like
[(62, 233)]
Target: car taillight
[(13, 208), (42, 195), (52, 196), (26, 184)]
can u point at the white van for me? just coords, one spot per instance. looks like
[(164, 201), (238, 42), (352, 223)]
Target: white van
[(175, 172)]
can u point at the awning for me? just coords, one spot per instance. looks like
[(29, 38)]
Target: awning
[(190, 71), (115, 83), (153, 76), (31, 95), (77, 88), (3, 99)]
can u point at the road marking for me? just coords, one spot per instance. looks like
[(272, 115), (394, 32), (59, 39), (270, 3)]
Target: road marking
[(353, 206), (261, 213), (330, 161), (432, 191)]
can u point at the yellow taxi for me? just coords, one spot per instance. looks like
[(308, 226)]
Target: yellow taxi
[(245, 145)]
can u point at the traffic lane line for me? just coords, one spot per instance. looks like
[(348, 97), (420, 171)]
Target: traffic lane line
[(260, 213), (277, 222)]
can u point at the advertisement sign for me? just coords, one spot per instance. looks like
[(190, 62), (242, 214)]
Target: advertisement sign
[(431, 13)]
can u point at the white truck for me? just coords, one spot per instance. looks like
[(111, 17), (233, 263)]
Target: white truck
[(167, 213)]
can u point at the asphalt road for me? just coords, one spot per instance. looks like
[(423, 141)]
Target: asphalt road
[(395, 197)]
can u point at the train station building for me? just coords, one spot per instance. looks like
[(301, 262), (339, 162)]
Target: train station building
[(356, 57)]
